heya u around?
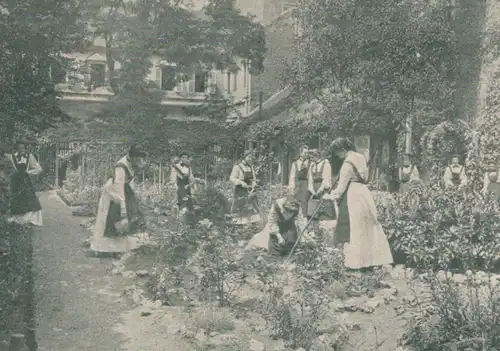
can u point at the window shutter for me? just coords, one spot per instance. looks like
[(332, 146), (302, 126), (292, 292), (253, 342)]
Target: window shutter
[(157, 76), (190, 84), (183, 86), (219, 79), (210, 82)]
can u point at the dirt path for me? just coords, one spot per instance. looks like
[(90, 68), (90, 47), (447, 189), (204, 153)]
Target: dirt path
[(78, 300)]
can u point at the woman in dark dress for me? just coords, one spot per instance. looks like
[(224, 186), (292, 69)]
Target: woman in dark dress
[(298, 181), (183, 180), (24, 205), (244, 181), (119, 216)]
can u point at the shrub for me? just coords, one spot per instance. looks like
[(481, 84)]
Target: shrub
[(16, 280), (443, 229), (457, 317), (198, 261), (298, 296)]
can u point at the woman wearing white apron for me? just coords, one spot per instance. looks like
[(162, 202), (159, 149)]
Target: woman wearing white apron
[(119, 216), (358, 228), (24, 206)]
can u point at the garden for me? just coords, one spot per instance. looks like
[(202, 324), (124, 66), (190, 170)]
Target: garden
[(196, 284), (217, 294)]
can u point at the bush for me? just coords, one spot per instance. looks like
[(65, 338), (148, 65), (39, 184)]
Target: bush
[(443, 229), (457, 316), (298, 296), (16, 280)]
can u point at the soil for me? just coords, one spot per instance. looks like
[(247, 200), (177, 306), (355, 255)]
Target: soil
[(82, 306)]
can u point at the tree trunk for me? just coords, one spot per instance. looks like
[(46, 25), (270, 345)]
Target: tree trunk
[(110, 62), (393, 154)]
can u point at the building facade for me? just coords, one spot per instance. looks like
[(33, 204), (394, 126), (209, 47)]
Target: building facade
[(86, 88)]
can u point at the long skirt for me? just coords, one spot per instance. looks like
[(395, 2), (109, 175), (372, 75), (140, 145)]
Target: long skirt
[(24, 205), (302, 195), (404, 187), (358, 228), (245, 205), (106, 237), (184, 197)]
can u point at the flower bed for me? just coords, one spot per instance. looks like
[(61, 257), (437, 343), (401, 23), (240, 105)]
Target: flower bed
[(205, 264)]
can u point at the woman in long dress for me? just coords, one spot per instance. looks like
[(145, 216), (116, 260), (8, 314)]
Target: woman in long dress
[(182, 178), (244, 181), (454, 175), (365, 243), (319, 184), (119, 217), (24, 205), (298, 181), (408, 174)]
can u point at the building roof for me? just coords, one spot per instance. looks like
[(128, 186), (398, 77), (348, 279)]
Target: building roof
[(270, 103)]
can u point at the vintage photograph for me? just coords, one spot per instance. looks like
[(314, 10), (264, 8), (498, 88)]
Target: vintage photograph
[(249, 175)]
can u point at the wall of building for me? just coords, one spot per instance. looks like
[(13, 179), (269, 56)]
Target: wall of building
[(235, 84), (280, 36)]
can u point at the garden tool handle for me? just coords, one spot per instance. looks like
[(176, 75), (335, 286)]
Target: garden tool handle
[(304, 229)]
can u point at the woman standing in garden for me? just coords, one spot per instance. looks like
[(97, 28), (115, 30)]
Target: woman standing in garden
[(119, 216), (365, 244), (319, 184), (408, 173), (244, 180), (24, 205), (298, 182), (454, 175), (183, 180)]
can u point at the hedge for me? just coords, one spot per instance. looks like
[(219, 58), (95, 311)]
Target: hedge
[(17, 309)]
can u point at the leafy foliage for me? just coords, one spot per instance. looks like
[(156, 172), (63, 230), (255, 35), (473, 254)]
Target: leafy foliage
[(33, 38), (457, 316), (443, 229), (383, 57), (190, 40)]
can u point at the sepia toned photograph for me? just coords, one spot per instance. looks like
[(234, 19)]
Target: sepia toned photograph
[(249, 175)]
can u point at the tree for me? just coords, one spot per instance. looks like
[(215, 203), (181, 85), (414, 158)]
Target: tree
[(390, 60), (33, 37), (190, 41)]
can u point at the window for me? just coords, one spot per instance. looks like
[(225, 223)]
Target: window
[(235, 81), (200, 82), (245, 72), (97, 74), (168, 79), (229, 82)]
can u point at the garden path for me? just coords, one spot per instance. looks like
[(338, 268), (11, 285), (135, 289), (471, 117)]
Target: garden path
[(78, 300)]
